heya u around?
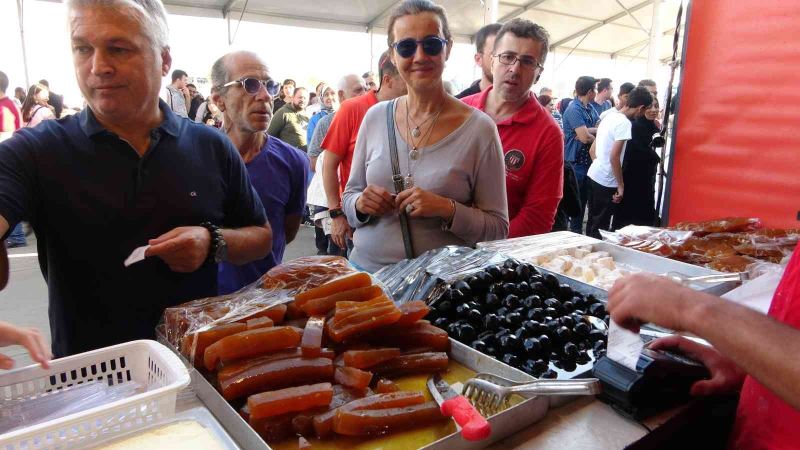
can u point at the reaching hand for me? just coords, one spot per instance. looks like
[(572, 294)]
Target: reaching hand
[(30, 338), (184, 249), (726, 376), (340, 232), (617, 197)]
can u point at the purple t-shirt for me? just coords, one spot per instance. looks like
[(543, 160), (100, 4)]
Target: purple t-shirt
[(279, 176)]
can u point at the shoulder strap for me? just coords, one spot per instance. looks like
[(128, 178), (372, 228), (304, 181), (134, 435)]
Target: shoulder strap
[(397, 178)]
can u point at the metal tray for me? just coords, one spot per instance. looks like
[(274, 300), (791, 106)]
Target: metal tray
[(503, 424), (526, 247)]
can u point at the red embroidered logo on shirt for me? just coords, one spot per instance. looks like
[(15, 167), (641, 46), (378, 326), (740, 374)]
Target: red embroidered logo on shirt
[(514, 159)]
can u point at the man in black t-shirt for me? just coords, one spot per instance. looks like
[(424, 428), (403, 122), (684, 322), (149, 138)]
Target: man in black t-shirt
[(484, 44)]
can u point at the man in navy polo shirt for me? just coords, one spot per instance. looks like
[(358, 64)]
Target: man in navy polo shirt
[(278, 171), (124, 173), (580, 127)]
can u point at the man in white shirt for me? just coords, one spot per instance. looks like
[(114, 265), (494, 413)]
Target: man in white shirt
[(606, 187)]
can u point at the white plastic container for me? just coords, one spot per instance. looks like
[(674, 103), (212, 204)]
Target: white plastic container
[(148, 363)]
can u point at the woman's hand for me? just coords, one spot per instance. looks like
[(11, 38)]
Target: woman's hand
[(421, 203), (375, 201), (30, 338)]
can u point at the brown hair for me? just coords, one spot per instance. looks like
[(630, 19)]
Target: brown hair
[(30, 101), (413, 7)]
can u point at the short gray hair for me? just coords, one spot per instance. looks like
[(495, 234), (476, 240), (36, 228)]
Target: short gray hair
[(149, 13), (219, 73)]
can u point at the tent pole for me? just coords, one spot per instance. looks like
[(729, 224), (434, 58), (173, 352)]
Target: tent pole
[(655, 32), (20, 21)]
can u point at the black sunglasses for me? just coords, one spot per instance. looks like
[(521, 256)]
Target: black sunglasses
[(253, 85), (431, 45)]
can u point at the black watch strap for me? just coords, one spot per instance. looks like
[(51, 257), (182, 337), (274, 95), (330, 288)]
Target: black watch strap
[(336, 212)]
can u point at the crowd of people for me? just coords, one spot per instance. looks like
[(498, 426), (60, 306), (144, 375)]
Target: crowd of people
[(387, 167)]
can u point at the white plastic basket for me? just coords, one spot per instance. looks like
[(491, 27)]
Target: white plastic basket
[(146, 362)]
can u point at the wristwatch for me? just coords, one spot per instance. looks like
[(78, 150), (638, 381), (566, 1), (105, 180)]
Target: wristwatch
[(218, 250), (334, 213)]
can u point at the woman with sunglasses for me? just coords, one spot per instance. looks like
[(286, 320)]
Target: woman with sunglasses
[(449, 154)]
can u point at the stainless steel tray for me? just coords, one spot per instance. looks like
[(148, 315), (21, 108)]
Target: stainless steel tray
[(527, 247), (503, 424)]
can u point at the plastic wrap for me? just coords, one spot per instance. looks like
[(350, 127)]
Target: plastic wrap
[(182, 324), (724, 225), (63, 402), (424, 278)]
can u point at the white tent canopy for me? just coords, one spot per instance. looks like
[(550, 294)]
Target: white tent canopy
[(616, 28)]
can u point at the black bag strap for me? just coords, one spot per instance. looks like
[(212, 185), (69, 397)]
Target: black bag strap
[(397, 178)]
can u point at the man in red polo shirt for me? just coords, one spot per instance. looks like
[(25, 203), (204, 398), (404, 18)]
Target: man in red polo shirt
[(751, 351), (9, 114), (532, 141), (340, 142)]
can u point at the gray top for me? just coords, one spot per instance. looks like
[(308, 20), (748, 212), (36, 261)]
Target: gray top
[(321, 130), (466, 166)]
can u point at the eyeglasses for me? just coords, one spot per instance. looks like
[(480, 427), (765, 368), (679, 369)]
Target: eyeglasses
[(525, 61), (253, 85), (431, 45)]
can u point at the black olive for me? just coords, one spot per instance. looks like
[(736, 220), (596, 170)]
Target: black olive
[(565, 292), (552, 312), (492, 301), (497, 289), (564, 334), (551, 303), (568, 306), (570, 350), (597, 310), (540, 365), (462, 286), (535, 314), (514, 319), (462, 311), (555, 357), (491, 322), (539, 288), (532, 301), (441, 322), (511, 301), (485, 279), (533, 326), (557, 363), (579, 301), (529, 366), (457, 296), (479, 346), (545, 341), (486, 336), (551, 283), (445, 307), (507, 274), (583, 357), (532, 347), (500, 333), (549, 374), (523, 272), (582, 329), (522, 333), (607, 319), (447, 295), (432, 315), (552, 326), (591, 299), (579, 312), (494, 272), (475, 317), (502, 311), (474, 305), (510, 288), (452, 329), (511, 359), (596, 336), (511, 264), (523, 288), (467, 333), (473, 283), (567, 321), (569, 365), (536, 278), (598, 346), (509, 343)]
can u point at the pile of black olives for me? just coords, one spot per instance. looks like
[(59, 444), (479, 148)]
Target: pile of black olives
[(522, 318)]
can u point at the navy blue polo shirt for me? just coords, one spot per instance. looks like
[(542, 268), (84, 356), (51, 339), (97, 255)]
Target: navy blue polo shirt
[(575, 116), (91, 200)]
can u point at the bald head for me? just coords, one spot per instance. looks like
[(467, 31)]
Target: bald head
[(221, 70), (351, 86)]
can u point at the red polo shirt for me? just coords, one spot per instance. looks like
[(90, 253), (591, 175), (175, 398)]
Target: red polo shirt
[(341, 137), (534, 155), (764, 421)]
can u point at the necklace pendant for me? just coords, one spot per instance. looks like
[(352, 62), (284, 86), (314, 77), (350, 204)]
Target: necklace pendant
[(413, 154), (415, 132)]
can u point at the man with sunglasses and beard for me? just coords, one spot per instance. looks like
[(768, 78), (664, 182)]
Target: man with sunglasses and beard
[(340, 143), (277, 170), (126, 172), (532, 142)]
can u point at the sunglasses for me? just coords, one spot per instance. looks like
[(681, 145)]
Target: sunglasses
[(431, 45), (253, 85)]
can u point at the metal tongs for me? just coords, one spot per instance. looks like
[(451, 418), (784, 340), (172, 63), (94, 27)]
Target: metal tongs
[(490, 393), (684, 279)]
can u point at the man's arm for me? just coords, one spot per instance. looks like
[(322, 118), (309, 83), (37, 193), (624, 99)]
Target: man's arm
[(593, 150), (758, 344), (291, 223), (330, 179), (544, 191), (582, 134), (616, 168)]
